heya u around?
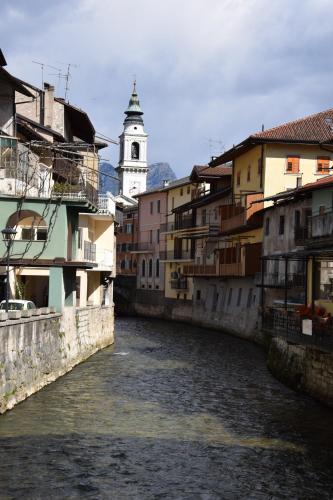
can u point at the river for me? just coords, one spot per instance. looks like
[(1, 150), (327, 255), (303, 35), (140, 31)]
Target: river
[(169, 412)]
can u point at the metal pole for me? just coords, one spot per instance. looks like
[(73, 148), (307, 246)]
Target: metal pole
[(7, 278)]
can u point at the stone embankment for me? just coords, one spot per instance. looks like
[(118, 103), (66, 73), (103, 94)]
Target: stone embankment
[(303, 368), (37, 350)]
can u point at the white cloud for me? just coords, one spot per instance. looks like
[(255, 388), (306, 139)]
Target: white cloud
[(205, 68)]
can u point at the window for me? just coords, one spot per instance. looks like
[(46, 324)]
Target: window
[(249, 298), (292, 164), (157, 235), (188, 189), (239, 298), (281, 224), (229, 296), (323, 164), (8, 152), (249, 173), (150, 235), (198, 294), (32, 227), (143, 268), (128, 228), (150, 270), (267, 226), (204, 216), (158, 206), (151, 207), (135, 151), (181, 192), (238, 178), (259, 166), (173, 203), (157, 270), (321, 209)]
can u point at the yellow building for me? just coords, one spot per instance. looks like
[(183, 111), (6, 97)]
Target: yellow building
[(266, 163), (179, 250)]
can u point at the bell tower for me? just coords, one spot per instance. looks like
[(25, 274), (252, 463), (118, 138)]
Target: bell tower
[(133, 168)]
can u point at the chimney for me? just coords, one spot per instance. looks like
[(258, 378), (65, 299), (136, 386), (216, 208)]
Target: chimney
[(48, 104), (165, 183)]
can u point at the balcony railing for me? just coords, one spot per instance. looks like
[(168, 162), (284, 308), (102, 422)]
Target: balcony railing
[(184, 223), (106, 205), (143, 246), (322, 225), (280, 280), (289, 324), (104, 258), (200, 270), (179, 284), (89, 251), (176, 255)]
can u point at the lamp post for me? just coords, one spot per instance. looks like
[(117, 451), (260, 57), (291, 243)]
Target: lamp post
[(8, 235)]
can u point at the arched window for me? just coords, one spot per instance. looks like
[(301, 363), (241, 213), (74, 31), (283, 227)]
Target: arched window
[(30, 226), (135, 150), (143, 268), (157, 268), (150, 268)]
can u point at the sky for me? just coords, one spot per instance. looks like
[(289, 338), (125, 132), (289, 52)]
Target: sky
[(209, 72)]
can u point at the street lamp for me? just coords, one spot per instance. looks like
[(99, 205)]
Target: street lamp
[(8, 235)]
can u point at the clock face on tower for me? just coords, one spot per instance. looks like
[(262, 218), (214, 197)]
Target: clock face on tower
[(135, 188)]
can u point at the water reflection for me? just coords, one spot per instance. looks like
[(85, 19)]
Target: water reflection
[(169, 412)]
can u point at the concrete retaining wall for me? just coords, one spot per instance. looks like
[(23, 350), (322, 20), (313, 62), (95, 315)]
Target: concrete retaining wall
[(38, 350), (303, 368)]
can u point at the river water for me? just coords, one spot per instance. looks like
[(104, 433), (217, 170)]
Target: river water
[(169, 412)]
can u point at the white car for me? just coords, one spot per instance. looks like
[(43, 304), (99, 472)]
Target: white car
[(17, 305)]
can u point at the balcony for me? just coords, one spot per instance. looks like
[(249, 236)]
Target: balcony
[(106, 205), (200, 270), (177, 256), (89, 251), (235, 216), (143, 247), (103, 257), (240, 261), (280, 280), (322, 225), (183, 223), (179, 284)]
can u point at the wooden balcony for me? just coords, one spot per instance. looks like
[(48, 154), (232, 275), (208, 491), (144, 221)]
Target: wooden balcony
[(241, 261), (241, 214), (200, 270)]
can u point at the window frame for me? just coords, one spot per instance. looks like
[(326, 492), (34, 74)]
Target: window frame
[(295, 164)]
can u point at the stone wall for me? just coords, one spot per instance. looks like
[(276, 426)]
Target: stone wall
[(36, 351), (304, 368)]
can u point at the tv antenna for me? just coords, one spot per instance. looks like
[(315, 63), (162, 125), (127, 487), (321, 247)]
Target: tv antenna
[(42, 66), (60, 75), (68, 75)]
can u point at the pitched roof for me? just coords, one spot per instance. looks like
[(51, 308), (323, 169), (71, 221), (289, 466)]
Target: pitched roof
[(171, 185), (202, 172), (312, 129)]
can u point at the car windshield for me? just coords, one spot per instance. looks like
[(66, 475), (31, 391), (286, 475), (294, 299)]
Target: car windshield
[(12, 306)]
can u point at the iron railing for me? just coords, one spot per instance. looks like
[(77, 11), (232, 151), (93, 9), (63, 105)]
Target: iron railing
[(289, 324), (89, 251)]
